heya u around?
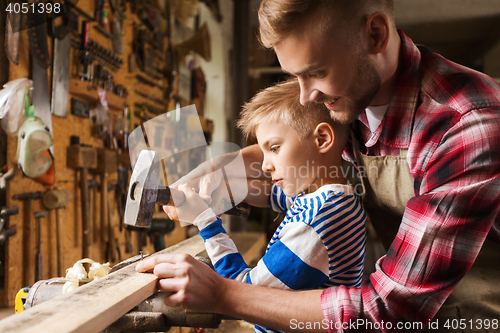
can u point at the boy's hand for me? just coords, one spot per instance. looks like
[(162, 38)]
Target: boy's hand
[(190, 210)]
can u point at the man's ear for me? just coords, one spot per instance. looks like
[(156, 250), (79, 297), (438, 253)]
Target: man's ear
[(324, 137), (378, 31)]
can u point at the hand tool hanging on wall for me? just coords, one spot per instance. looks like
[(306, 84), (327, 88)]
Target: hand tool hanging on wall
[(116, 26), (37, 34), (86, 61), (5, 233), (60, 76), (12, 33), (158, 229), (82, 158), (113, 240), (58, 198), (39, 259), (106, 164), (121, 201), (29, 233), (6, 174), (93, 186)]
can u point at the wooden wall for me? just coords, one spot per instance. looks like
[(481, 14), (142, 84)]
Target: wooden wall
[(67, 178)]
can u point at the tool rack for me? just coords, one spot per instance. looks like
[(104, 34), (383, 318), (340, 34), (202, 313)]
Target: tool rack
[(66, 178)]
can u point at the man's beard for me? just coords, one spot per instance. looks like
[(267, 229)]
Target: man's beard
[(365, 86)]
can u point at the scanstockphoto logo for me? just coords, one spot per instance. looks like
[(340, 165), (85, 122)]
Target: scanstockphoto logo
[(165, 151), (23, 15)]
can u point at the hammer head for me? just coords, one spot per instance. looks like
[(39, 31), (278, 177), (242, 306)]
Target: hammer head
[(143, 190)]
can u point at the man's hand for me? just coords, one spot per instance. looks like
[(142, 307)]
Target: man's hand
[(192, 283), (207, 178), (203, 179)]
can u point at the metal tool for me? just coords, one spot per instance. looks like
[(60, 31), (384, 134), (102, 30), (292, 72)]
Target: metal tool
[(37, 34), (152, 98), (114, 245), (39, 260), (29, 232), (86, 60), (159, 228), (58, 198), (106, 164), (13, 33), (145, 192), (150, 108), (83, 158), (93, 185), (60, 77), (5, 233), (116, 26), (121, 201), (5, 175)]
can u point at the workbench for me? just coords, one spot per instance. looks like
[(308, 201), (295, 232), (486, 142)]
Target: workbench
[(96, 305)]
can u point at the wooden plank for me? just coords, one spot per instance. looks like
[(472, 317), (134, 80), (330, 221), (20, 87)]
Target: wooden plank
[(96, 305)]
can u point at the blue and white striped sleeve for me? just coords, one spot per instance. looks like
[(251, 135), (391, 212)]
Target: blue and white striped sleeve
[(298, 260), (278, 201), (223, 253), (288, 264)]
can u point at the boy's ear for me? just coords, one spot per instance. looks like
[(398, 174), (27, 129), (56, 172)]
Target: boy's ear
[(324, 137)]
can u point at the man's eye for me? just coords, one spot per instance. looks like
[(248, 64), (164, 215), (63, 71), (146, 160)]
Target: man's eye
[(275, 149)]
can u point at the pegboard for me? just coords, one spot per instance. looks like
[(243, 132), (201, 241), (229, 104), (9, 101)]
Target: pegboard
[(22, 247)]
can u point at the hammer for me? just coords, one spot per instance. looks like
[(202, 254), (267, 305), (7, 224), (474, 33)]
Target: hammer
[(39, 260), (106, 164), (29, 231), (82, 158), (56, 199), (144, 192)]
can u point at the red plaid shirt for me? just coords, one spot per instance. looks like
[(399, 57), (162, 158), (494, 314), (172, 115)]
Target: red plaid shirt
[(448, 117)]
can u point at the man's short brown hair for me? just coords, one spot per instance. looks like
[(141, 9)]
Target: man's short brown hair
[(279, 18), (281, 103)]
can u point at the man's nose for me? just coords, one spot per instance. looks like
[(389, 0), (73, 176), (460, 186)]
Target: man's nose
[(307, 93)]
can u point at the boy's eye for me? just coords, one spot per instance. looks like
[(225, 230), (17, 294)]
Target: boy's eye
[(275, 149)]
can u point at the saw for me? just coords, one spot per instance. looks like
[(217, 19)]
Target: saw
[(60, 77)]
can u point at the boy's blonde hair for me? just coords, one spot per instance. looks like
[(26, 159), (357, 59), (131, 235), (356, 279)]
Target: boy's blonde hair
[(281, 103)]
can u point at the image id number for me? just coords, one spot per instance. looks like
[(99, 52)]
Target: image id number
[(471, 324), (34, 7)]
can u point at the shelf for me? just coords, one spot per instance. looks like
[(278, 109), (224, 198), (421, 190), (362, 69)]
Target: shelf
[(84, 90)]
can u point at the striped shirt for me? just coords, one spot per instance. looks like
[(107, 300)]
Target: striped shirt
[(329, 221)]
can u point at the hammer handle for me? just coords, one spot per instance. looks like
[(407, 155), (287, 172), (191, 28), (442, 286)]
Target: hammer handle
[(170, 196), (86, 241)]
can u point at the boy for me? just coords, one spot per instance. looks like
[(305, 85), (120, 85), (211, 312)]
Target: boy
[(321, 241)]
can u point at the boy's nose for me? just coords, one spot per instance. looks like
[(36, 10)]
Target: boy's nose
[(267, 166)]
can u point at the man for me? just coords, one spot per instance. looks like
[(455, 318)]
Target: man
[(428, 132)]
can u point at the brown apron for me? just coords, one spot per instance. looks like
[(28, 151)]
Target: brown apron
[(474, 304)]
